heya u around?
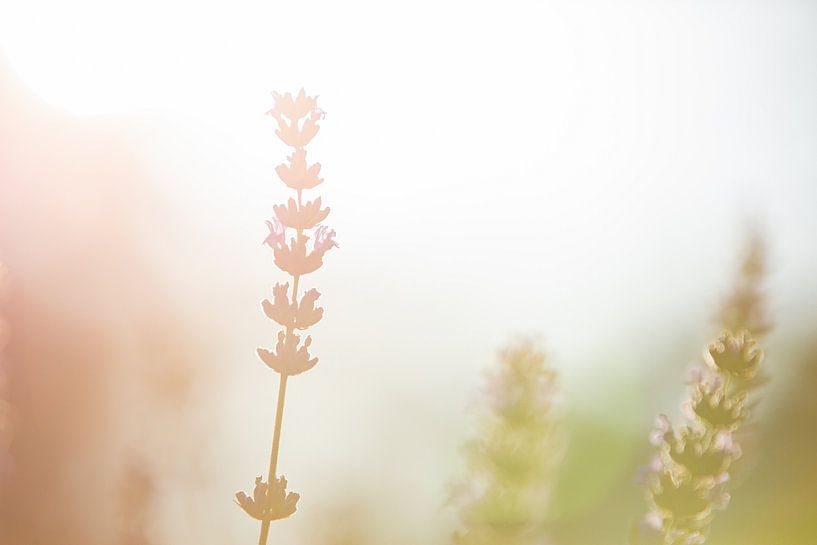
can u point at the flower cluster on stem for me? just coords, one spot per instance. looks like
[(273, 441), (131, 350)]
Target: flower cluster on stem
[(688, 477), (503, 499), (299, 241)]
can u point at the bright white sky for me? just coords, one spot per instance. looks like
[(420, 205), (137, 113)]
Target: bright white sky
[(576, 169)]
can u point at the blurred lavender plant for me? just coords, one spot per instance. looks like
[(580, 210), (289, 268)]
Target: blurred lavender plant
[(687, 480), (297, 120), (504, 497)]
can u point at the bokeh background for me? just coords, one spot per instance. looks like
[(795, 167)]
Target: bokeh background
[(583, 172)]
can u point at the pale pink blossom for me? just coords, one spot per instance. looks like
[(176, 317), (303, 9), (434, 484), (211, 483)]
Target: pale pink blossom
[(724, 441), (654, 520), (721, 501), (324, 239), (662, 427), (277, 233)]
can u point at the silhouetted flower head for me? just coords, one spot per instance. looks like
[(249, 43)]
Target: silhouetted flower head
[(693, 452), (307, 314), (293, 108), (290, 356), (298, 175), (711, 405), (279, 309), (680, 499), (294, 133), (306, 216), (736, 355), (297, 316), (294, 259), (268, 503)]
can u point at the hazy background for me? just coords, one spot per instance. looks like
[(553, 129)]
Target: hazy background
[(581, 171)]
